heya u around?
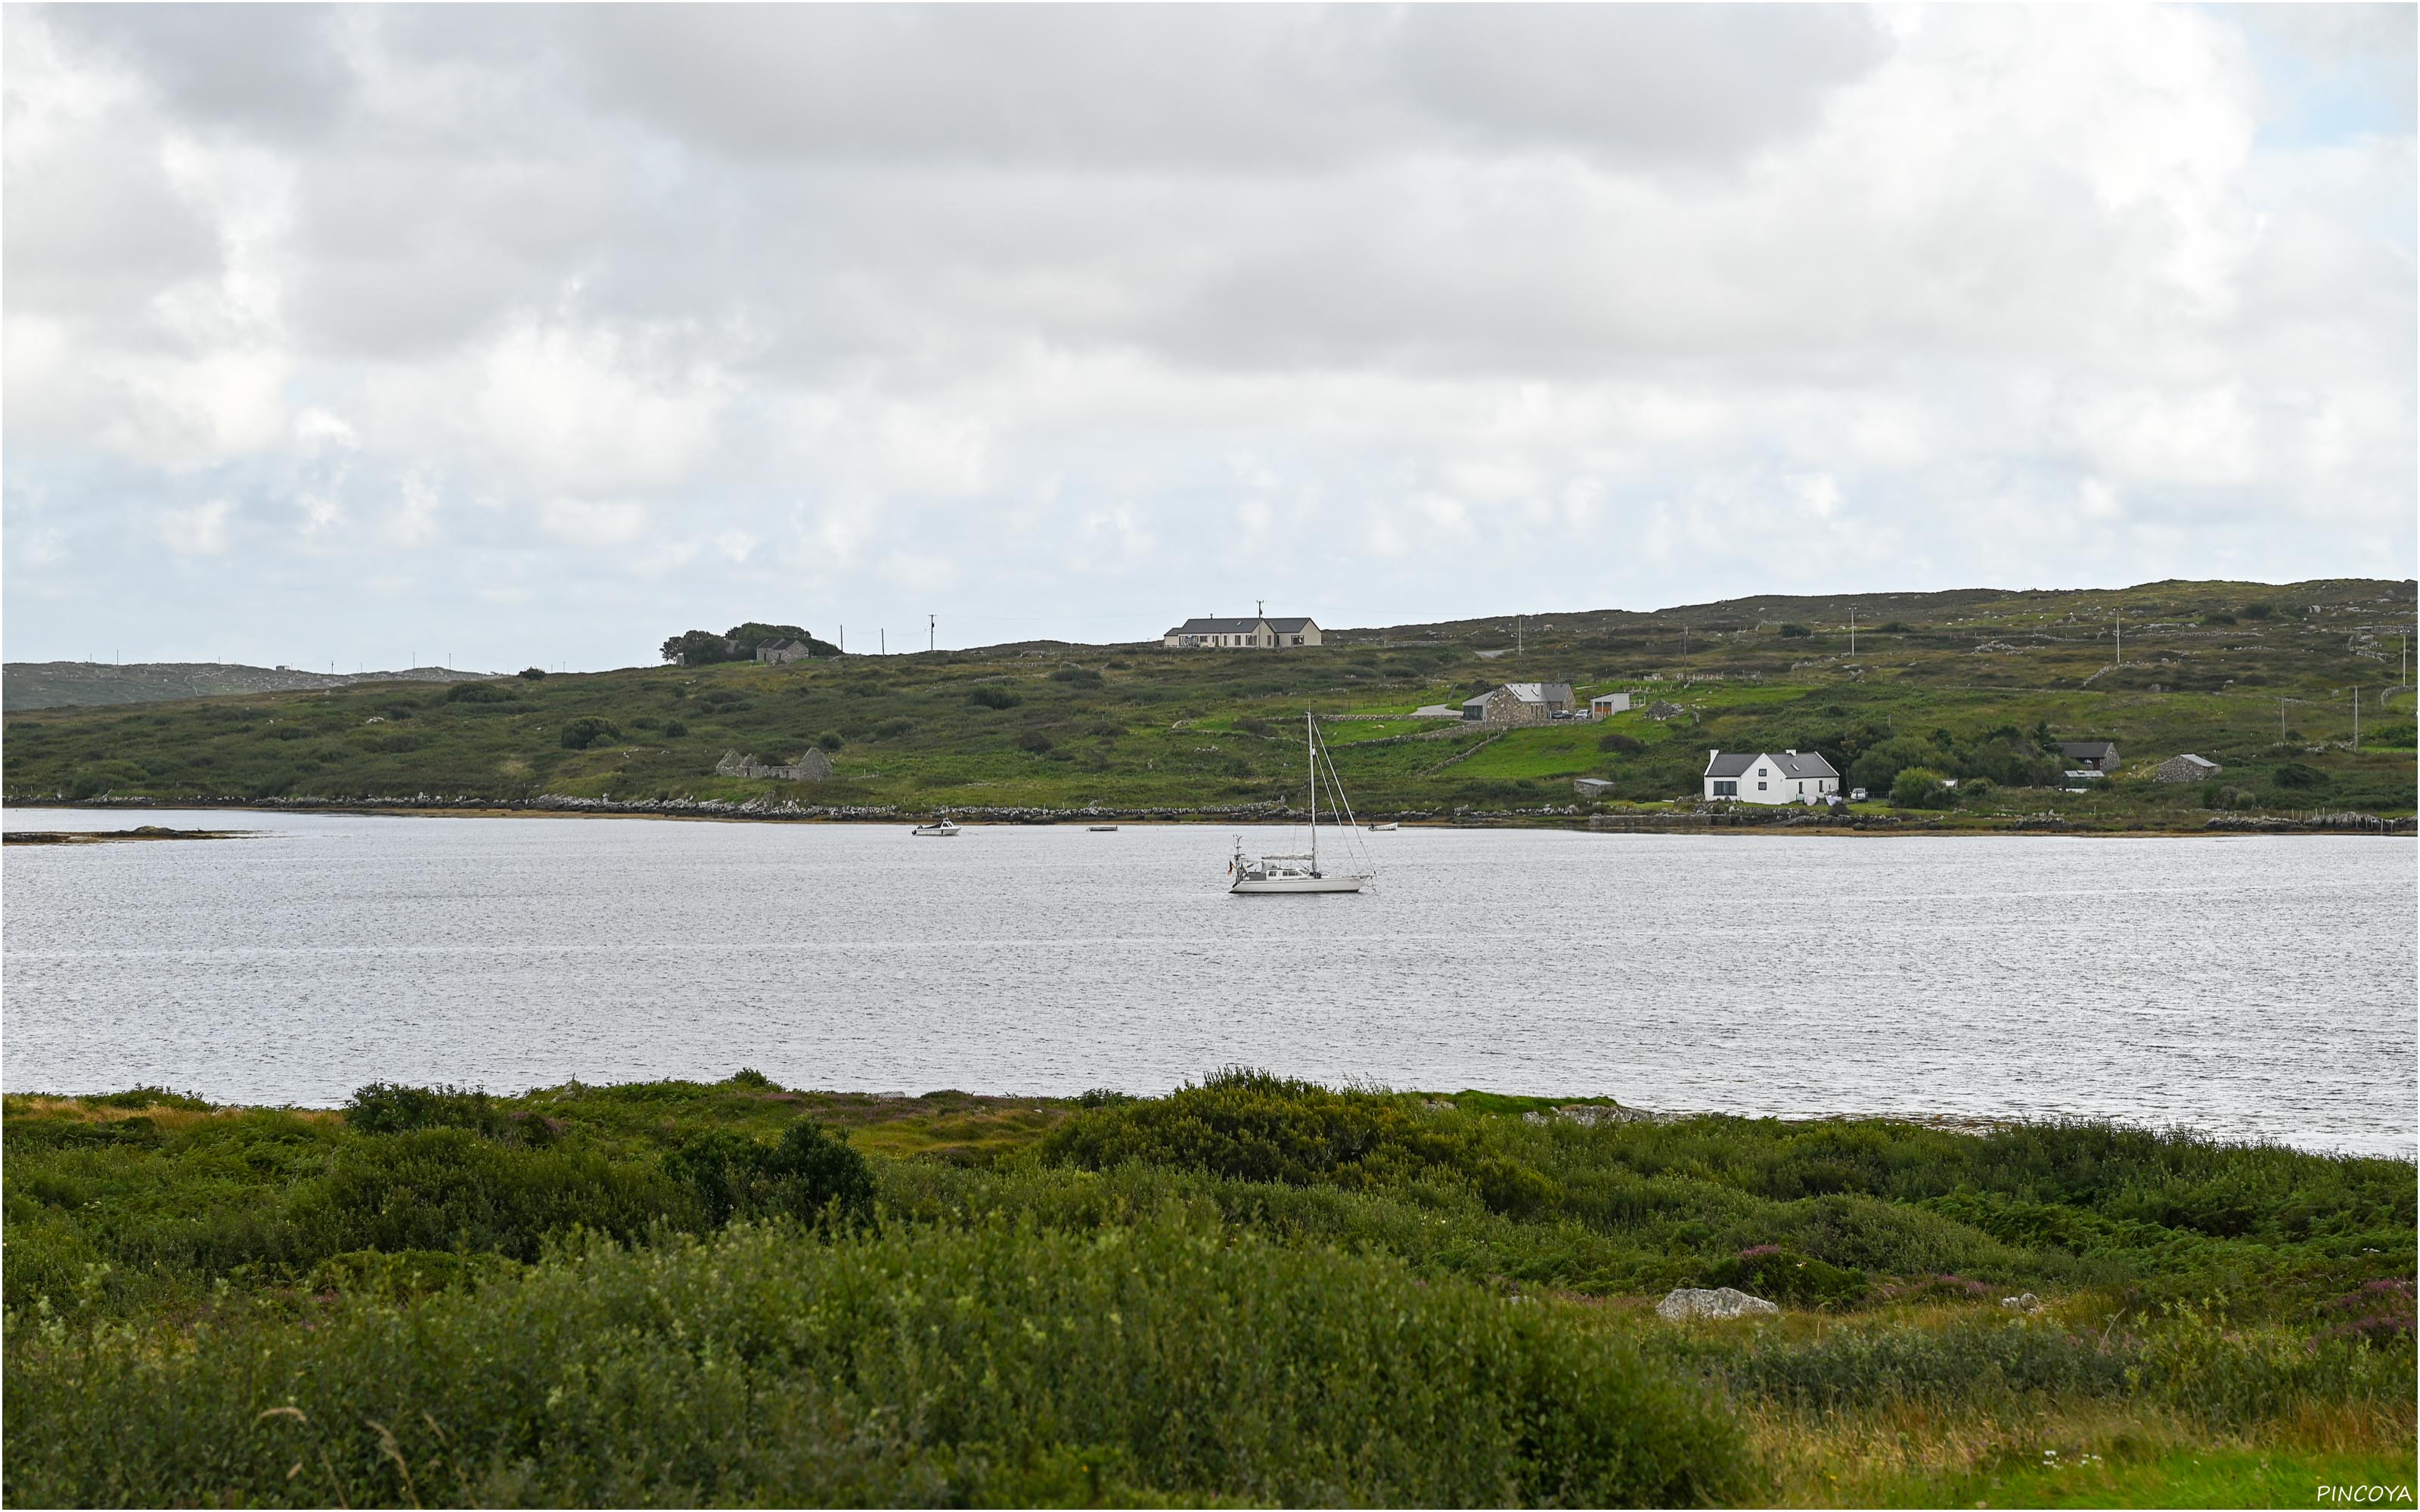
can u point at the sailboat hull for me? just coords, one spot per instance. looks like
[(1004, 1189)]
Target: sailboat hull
[(1298, 884)]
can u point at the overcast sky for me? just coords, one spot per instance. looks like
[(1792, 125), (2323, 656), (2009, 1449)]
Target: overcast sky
[(523, 335)]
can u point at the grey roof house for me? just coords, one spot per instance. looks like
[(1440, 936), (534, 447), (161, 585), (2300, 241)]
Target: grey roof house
[(2094, 755), (1519, 703), (1260, 631), (2187, 769), (1770, 777)]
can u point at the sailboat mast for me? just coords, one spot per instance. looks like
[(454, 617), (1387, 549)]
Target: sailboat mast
[(1311, 754)]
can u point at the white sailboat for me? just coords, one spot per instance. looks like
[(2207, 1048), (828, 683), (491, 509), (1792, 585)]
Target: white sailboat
[(1303, 873)]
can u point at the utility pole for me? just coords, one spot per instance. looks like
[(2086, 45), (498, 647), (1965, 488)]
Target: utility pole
[(882, 643), (2356, 718), (2121, 622), (844, 640), (1853, 632), (932, 630), (2281, 719)]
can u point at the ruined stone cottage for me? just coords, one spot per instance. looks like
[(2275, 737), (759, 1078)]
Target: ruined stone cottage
[(812, 766)]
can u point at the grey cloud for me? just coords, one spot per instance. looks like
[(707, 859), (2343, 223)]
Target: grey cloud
[(1209, 86), (276, 69), (1652, 82), (96, 229)]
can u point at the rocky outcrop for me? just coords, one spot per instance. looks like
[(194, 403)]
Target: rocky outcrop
[(1712, 1302)]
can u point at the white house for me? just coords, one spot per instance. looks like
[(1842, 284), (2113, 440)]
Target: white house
[(1765, 777), (1259, 631), (1608, 704)]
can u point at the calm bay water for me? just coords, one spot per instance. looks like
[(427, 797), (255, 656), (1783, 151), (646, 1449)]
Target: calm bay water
[(2248, 987)]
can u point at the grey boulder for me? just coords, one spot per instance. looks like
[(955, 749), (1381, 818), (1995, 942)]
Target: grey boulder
[(1712, 1302)]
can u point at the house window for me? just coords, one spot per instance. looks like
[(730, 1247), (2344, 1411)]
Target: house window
[(1726, 790), (1759, 787), (1762, 772)]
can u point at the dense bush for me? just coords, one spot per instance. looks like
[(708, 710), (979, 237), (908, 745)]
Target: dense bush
[(1078, 676), (1614, 740), (2299, 778), (811, 1174), (996, 1365), (1915, 787), (829, 740), (1034, 741), (448, 1189), (532, 673), (586, 731), (1256, 1127), (992, 696), (1793, 630), (475, 693)]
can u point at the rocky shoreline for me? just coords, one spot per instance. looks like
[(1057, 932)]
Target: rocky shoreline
[(1710, 819)]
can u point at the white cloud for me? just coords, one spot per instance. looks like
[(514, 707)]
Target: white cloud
[(1222, 302)]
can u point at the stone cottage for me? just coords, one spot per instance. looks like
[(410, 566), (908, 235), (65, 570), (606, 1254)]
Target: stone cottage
[(812, 766), (2186, 769), (1516, 704)]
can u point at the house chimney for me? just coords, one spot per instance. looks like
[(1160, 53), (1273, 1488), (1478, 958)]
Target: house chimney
[(1712, 754), (1790, 752)]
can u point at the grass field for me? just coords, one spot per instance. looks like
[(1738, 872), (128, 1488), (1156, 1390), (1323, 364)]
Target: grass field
[(1251, 1290), (1972, 684)]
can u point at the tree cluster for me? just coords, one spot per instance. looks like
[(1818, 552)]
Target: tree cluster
[(697, 648)]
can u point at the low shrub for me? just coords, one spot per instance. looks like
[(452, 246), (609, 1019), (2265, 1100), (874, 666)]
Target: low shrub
[(1779, 1274), (1034, 741), (829, 740), (475, 693), (991, 696), (1794, 632), (449, 1189), (1916, 787), (1252, 1126), (586, 731), (990, 1364), (532, 673), (811, 1174), (1614, 740), (1077, 677)]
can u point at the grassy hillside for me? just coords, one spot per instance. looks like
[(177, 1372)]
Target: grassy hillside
[(48, 685), (1251, 1290), (1970, 685)]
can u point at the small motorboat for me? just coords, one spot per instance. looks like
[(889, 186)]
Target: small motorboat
[(1381, 829), (941, 825)]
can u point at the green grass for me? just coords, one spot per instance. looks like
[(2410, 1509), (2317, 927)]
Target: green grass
[(1251, 1290), (1188, 729)]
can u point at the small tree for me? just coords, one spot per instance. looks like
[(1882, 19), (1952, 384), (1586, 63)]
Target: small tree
[(1916, 787), (588, 731), (1795, 631), (532, 673)]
